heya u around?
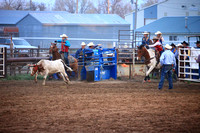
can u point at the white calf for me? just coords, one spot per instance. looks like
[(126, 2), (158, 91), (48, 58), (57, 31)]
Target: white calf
[(45, 67)]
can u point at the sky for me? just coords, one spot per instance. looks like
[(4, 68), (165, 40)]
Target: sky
[(50, 3)]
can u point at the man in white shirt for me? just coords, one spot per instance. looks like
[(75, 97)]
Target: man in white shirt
[(168, 62)]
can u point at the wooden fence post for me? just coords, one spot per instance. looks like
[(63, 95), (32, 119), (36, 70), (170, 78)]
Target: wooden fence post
[(38, 51)]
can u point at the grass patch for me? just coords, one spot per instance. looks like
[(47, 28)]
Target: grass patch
[(22, 77)]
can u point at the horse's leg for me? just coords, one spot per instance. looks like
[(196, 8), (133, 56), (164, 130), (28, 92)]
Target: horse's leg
[(148, 78), (148, 72)]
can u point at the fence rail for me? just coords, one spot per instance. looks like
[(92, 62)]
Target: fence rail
[(187, 66), (23, 56), (2, 62)]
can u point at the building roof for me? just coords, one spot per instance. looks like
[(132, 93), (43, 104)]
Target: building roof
[(61, 18), (11, 16), (173, 25), (78, 19), (14, 16)]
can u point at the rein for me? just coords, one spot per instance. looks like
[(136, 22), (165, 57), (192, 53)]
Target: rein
[(146, 61)]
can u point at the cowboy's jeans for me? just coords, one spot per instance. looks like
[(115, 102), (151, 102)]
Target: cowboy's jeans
[(166, 69), (66, 54)]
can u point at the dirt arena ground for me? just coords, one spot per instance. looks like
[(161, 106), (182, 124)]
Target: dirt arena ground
[(106, 106)]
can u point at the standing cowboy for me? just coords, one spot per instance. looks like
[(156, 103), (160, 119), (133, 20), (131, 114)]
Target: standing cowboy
[(80, 56), (80, 51), (91, 45), (145, 40), (168, 62), (64, 47), (159, 36)]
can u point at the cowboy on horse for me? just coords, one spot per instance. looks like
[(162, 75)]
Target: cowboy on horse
[(64, 47), (157, 45), (146, 40)]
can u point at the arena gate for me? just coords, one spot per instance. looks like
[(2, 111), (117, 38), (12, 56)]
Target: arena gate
[(2, 62), (187, 66), (98, 64)]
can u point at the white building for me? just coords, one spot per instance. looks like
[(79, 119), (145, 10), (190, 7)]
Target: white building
[(174, 29), (167, 8)]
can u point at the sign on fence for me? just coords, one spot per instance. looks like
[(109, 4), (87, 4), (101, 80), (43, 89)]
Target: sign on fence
[(2, 62), (188, 68)]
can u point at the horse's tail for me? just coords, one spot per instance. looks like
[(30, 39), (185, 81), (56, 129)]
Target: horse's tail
[(66, 65)]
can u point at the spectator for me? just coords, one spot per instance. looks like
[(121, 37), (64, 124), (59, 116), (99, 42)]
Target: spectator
[(175, 51), (198, 45), (198, 61), (194, 65)]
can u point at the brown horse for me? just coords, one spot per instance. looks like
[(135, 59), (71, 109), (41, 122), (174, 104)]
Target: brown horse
[(150, 60), (73, 63)]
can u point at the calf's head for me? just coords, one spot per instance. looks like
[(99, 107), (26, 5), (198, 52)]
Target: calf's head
[(34, 68)]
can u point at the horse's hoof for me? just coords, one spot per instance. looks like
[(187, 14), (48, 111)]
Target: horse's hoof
[(68, 82)]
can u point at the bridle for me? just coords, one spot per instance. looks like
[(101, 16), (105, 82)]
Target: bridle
[(148, 60)]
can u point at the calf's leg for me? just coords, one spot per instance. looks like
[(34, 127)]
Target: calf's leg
[(36, 77), (45, 77), (65, 77)]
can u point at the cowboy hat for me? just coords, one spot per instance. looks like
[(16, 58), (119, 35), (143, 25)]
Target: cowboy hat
[(83, 44), (173, 45), (158, 32), (155, 38), (90, 44), (197, 42), (63, 35), (145, 33), (184, 42), (167, 46), (179, 45)]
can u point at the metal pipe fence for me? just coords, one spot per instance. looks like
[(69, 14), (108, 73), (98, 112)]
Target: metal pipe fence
[(187, 66)]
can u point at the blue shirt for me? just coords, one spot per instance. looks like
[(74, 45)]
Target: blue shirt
[(167, 58), (67, 43), (175, 51), (78, 52), (145, 41)]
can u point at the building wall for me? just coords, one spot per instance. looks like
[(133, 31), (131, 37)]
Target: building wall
[(163, 9), (140, 19), (174, 8), (29, 27), (129, 18), (42, 35), (180, 38), (83, 33)]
